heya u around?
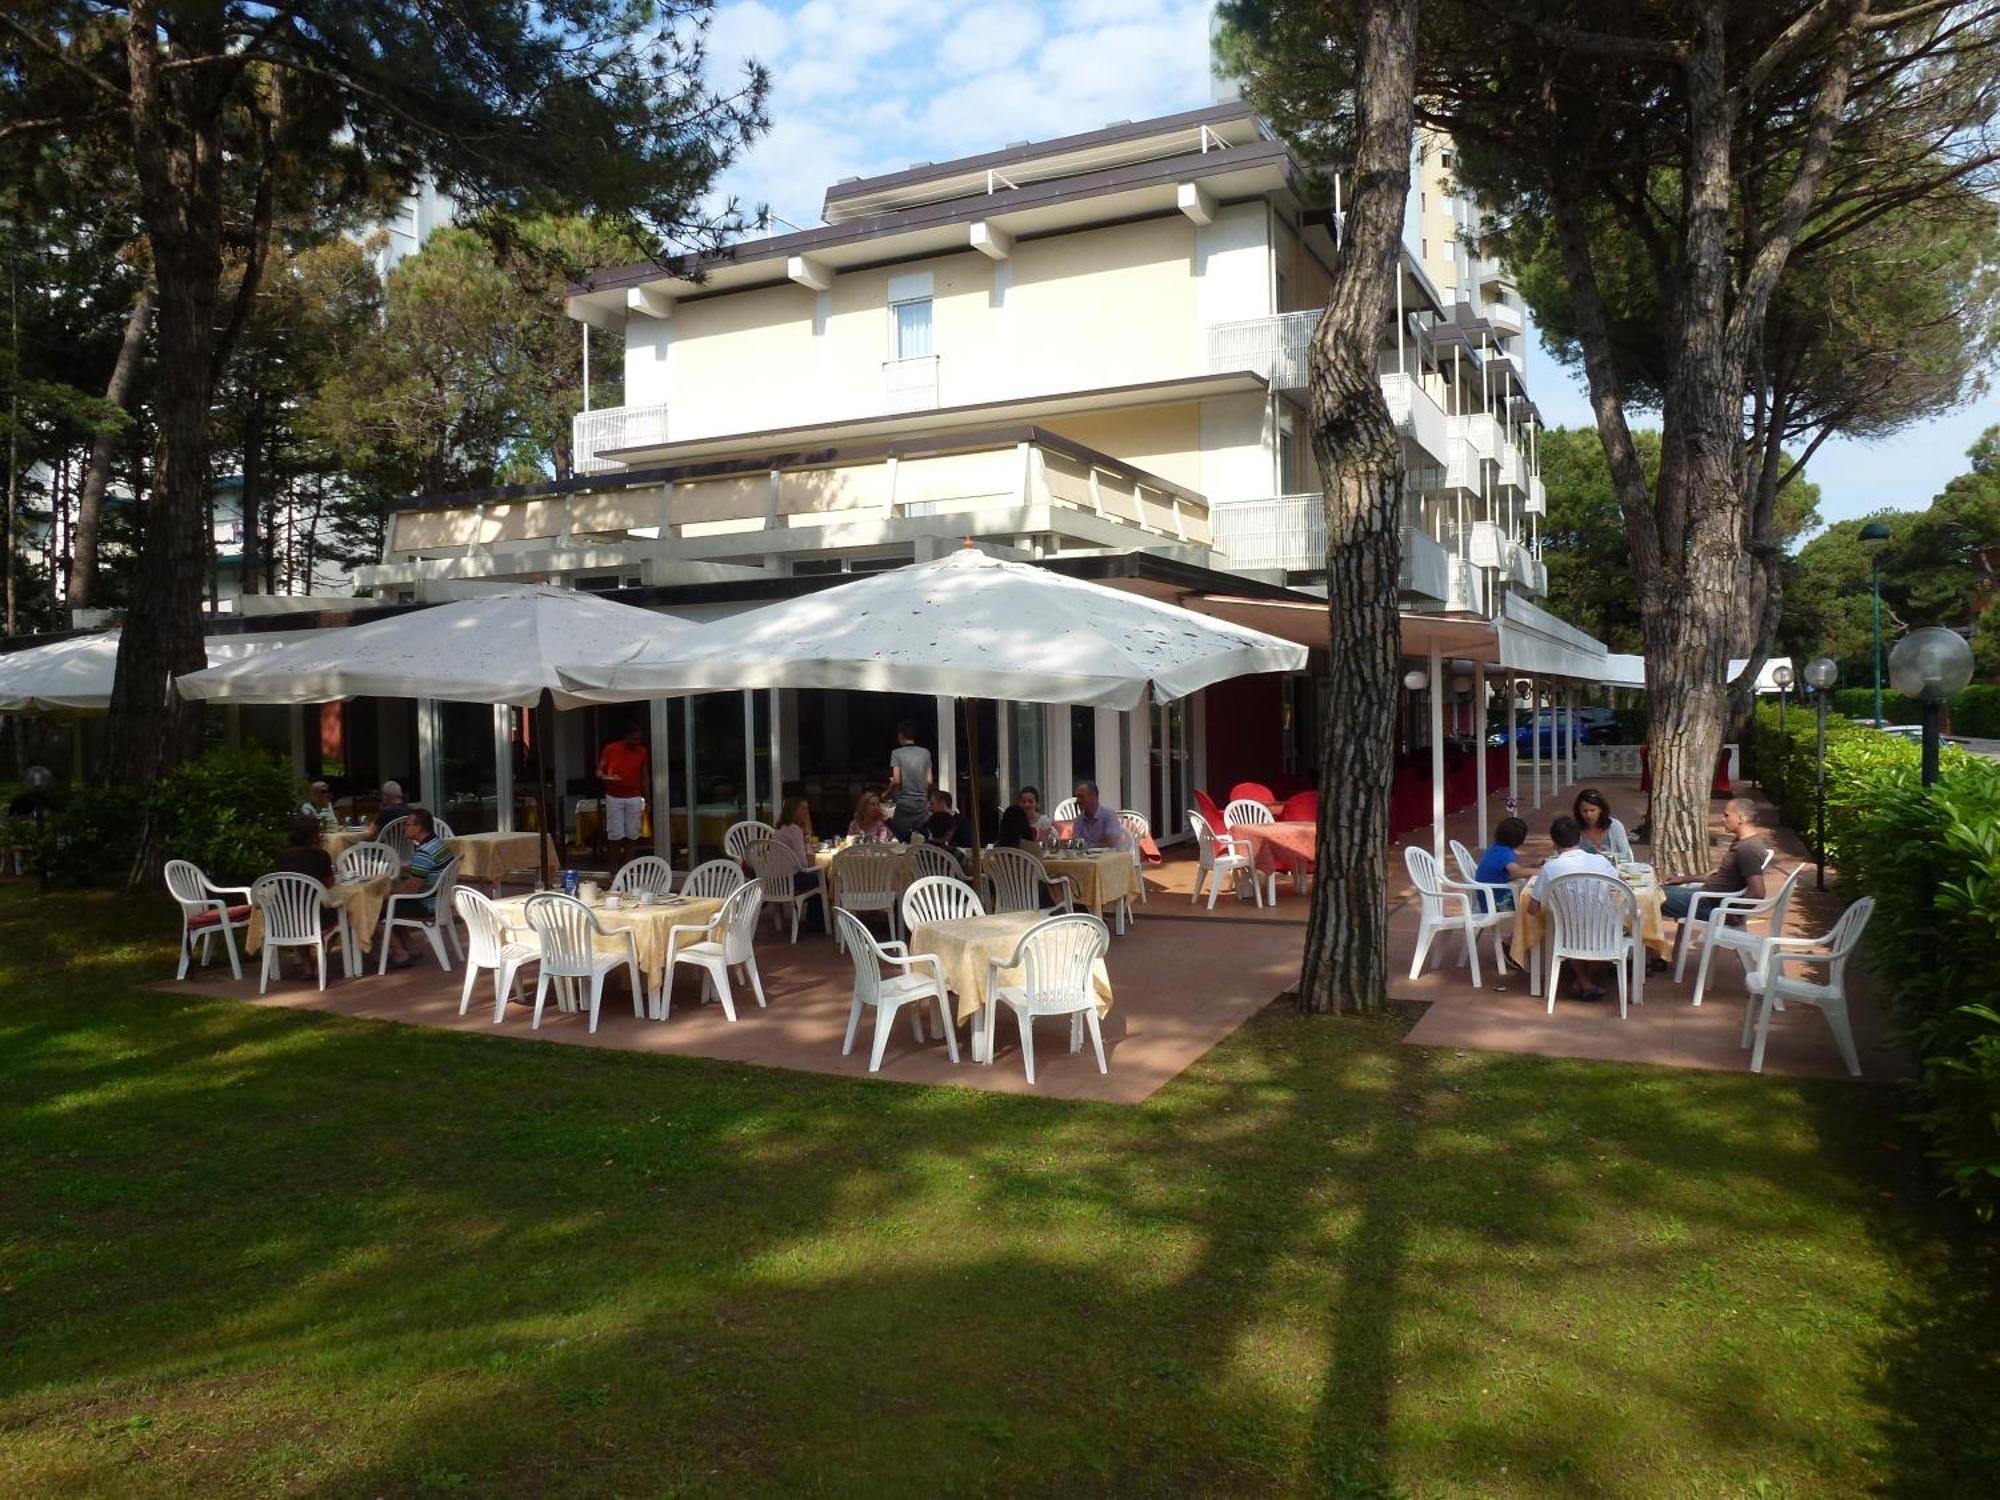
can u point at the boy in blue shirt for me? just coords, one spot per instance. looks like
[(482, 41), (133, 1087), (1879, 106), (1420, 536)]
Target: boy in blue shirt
[(1501, 863)]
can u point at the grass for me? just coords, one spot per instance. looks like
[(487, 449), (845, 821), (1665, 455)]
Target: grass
[(258, 1252)]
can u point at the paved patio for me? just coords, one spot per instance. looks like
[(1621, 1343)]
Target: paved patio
[(1185, 979)]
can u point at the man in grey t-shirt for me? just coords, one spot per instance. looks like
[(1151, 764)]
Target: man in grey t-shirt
[(911, 778)]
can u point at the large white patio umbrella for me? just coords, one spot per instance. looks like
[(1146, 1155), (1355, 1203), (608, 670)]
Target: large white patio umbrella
[(498, 646), (76, 673), (965, 626)]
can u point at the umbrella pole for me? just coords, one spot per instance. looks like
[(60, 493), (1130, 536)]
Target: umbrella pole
[(972, 756), (551, 828)]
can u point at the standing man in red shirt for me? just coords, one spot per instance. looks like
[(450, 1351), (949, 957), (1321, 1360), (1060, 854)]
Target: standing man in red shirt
[(626, 770)]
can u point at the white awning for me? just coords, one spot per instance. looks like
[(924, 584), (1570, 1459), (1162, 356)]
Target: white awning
[(76, 673)]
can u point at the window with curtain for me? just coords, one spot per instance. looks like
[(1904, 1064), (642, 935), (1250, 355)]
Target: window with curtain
[(910, 329)]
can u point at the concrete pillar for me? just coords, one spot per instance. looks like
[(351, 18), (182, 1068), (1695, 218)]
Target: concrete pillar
[(1197, 728), (1056, 753), (1513, 749), (660, 735), (1437, 753), (1109, 775), (1139, 743), (693, 779), (780, 760), (503, 768), (430, 759), (1479, 744), (1535, 732), (1003, 731), (296, 715), (750, 748), (946, 757)]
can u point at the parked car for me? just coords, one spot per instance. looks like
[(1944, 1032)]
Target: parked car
[(1907, 731), (1553, 726)]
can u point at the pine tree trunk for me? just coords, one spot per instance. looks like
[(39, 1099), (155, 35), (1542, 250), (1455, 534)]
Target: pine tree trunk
[(1360, 457), (103, 448)]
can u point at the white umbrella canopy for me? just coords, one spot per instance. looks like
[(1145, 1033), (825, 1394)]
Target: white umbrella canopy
[(497, 647), (77, 673), (966, 626)]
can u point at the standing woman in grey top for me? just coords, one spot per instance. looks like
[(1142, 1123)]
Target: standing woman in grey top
[(911, 778)]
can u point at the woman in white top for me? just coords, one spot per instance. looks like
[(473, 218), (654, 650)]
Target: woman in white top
[(1602, 833), (795, 832)]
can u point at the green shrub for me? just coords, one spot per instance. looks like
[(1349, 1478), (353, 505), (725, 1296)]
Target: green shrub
[(89, 838), (1930, 856), (229, 811), (1976, 711)]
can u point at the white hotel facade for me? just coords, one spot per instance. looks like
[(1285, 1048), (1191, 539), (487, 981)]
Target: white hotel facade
[(1087, 352)]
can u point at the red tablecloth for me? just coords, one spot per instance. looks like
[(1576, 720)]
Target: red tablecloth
[(1279, 846)]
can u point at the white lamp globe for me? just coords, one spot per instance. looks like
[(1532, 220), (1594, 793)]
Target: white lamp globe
[(1930, 664)]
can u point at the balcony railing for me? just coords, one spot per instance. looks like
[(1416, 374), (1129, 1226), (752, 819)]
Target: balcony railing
[(1482, 434), (1284, 532), (1487, 545), (1537, 503), (1419, 416), (1274, 348), (1513, 472), (1461, 464), (910, 384), (610, 428), (1426, 566)]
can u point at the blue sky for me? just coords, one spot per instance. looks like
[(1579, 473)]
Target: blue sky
[(867, 86)]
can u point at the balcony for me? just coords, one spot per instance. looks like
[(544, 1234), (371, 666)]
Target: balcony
[(1419, 417), (1462, 597), (1482, 435), (910, 384), (1427, 567), (1521, 566), (1461, 464), (610, 428), (1506, 319), (1487, 545), (1537, 503), (1274, 348), (1285, 533), (1513, 472)]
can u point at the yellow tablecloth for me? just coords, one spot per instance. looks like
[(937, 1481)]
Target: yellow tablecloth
[(1530, 927), (341, 840), (1102, 878), (488, 856), (647, 924), (965, 946), (363, 899)]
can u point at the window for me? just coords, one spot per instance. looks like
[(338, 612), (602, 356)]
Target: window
[(910, 329)]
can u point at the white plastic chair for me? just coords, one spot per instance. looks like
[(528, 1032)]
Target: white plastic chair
[(1243, 812), (1220, 854), (438, 927), (648, 872), (864, 880), (777, 867), (714, 880), (728, 941), (1595, 918), (1468, 867), (1696, 918), (1137, 831), (396, 836), (737, 841), (575, 945), (1015, 880), (1058, 959), (1066, 811), (292, 906), (939, 898), (1741, 939), (921, 979), (206, 910), (935, 859), (1771, 984), (490, 944), (1452, 905), (442, 828), (367, 861)]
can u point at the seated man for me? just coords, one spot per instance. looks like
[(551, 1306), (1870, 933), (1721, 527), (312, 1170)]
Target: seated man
[(1571, 858), (946, 825), (394, 807), (319, 807), (1742, 867), (428, 855), (1097, 825)]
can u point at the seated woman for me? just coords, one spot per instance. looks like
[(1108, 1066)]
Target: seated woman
[(1501, 864), (795, 832), (871, 824), (1602, 833), (1021, 822)]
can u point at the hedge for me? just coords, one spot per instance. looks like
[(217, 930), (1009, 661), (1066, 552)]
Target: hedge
[(1931, 859), (1974, 712)]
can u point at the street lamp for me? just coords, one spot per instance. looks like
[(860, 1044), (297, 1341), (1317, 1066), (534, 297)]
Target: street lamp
[(1931, 665), (1873, 535), (1781, 674), (1821, 674)]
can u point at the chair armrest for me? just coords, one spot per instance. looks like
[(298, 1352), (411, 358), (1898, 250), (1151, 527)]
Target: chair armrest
[(1242, 848), (1466, 890), (674, 932), (1052, 881), (228, 890), (893, 949), (1739, 906), (1695, 901)]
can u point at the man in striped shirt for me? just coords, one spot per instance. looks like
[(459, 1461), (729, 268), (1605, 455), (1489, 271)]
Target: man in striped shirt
[(428, 855)]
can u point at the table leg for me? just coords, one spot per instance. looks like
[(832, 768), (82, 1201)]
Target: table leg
[(1535, 970), (347, 965), (990, 1023)]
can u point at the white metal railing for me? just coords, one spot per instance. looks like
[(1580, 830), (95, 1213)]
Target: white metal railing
[(1537, 503), (1506, 317), (1513, 473), (1481, 434), (1486, 545), (1274, 348), (910, 384), (1520, 565), (1426, 566), (610, 428), (1462, 592), (1461, 464), (1283, 531)]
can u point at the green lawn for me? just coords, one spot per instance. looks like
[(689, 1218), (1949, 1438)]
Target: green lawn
[(250, 1252)]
